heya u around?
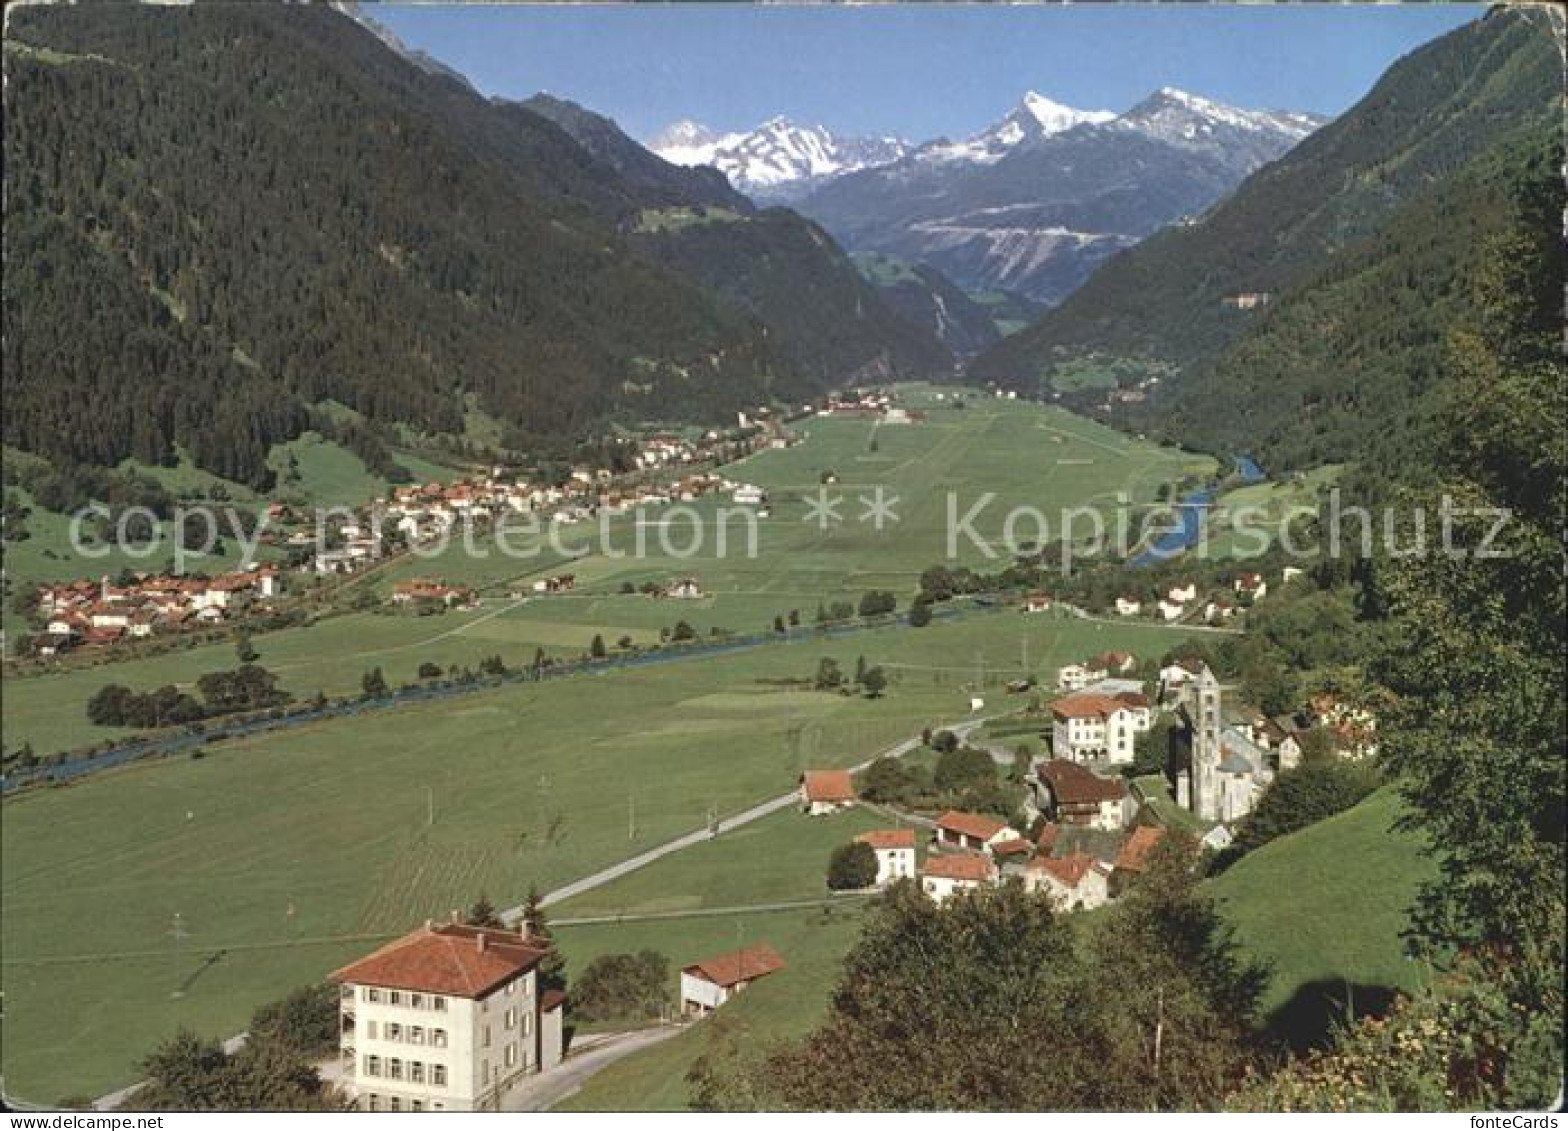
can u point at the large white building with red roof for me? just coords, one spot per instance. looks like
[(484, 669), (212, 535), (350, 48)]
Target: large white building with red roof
[(1089, 726), (447, 1018)]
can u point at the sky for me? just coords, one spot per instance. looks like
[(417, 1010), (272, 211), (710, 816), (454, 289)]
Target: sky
[(916, 71)]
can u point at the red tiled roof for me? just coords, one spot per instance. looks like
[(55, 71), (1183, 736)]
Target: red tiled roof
[(550, 1000), (738, 966), (1047, 838), (1132, 698), (1089, 706), (828, 785), (1077, 785), (451, 958), (970, 824), (1013, 846), (1068, 870), (1134, 855), (888, 838), (977, 869)]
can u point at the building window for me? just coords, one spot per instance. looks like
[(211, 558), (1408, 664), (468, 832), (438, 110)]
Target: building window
[(394, 1069), (510, 1020), (394, 1031), (511, 1055), (372, 994), (527, 1023), (373, 1102), (439, 1004), (372, 1066), (395, 997), (416, 1035), (437, 1105), (438, 1038), (438, 1075), (486, 1042), (416, 1000), (416, 1072), (394, 1104), (416, 1105)]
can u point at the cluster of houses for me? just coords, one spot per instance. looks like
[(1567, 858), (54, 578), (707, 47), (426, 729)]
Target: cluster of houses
[(1220, 761), (78, 613), (1088, 846), (428, 511), (426, 591), (1182, 602), (868, 404), (1090, 843)]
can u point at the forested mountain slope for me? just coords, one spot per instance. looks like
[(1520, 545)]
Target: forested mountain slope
[(217, 215), (786, 270), (1428, 117), (1350, 363)]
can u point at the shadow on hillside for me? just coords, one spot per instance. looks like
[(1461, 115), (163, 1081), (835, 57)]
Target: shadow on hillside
[(1319, 1010)]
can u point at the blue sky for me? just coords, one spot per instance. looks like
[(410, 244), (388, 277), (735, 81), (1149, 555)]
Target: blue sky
[(919, 71)]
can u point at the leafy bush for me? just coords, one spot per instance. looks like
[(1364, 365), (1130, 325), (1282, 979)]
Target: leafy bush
[(852, 867), (622, 987)]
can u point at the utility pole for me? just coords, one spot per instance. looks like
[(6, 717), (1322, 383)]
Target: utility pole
[(1159, 1028)]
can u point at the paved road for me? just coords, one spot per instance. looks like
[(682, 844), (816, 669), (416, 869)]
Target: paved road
[(544, 1091), (698, 836)]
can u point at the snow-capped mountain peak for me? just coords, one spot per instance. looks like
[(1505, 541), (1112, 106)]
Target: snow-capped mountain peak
[(779, 157), (1053, 117), (1034, 118), (1176, 116)]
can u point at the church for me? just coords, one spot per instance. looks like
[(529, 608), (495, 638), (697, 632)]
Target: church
[(1219, 771)]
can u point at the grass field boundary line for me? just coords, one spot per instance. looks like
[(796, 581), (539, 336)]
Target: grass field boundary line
[(709, 912), (198, 951)]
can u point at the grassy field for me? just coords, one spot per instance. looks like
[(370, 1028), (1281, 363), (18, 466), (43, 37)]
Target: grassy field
[(1024, 454), (1268, 508), (783, 1005), (1326, 906), (232, 878), (1308, 905), (270, 850), (781, 858)]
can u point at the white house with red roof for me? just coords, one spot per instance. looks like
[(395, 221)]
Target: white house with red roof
[(895, 850), (944, 875), (1079, 882), (1090, 726), (826, 791), (1251, 585), (446, 1018), (971, 832), (708, 984)]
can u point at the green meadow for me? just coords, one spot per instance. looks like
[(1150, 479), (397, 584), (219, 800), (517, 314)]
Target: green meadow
[(1307, 905), (781, 858), (230, 878), (1327, 906)]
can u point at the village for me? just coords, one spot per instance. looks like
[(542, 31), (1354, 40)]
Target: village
[(663, 469), (1083, 836)]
